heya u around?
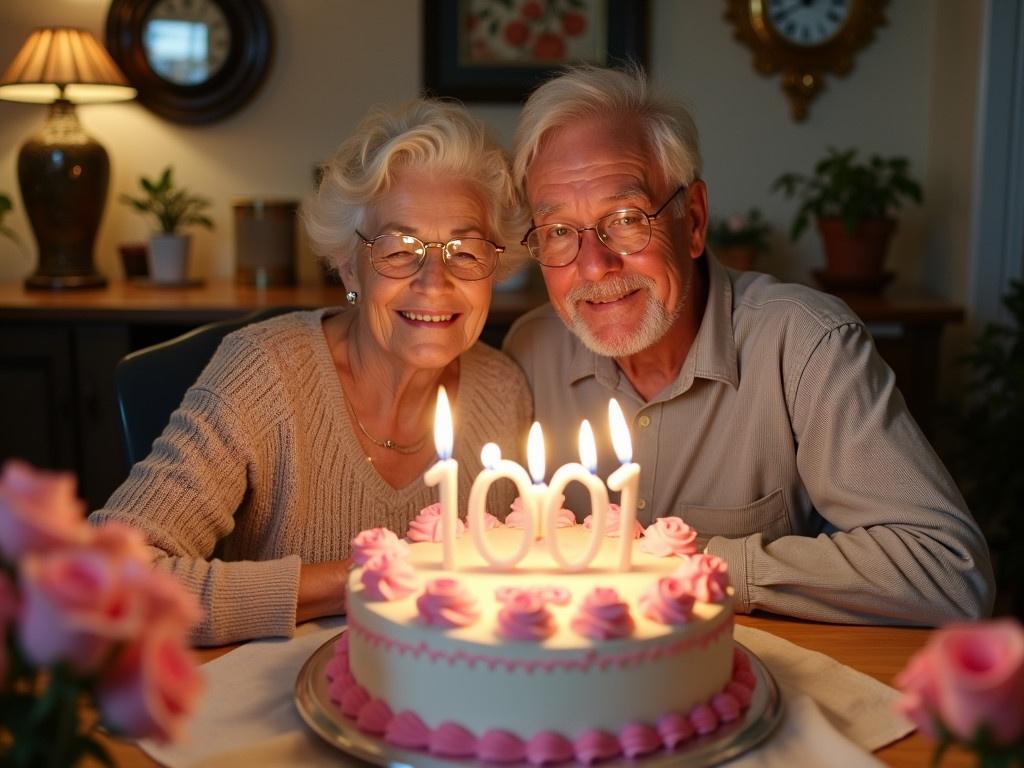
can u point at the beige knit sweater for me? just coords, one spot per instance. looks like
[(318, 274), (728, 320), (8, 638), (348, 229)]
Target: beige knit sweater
[(259, 470)]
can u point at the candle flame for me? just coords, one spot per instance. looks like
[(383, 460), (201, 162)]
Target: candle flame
[(620, 432), (535, 453), (588, 450), (490, 455), (443, 433)]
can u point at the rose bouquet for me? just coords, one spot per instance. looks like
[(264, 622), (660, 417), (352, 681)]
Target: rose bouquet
[(966, 687), (87, 627)]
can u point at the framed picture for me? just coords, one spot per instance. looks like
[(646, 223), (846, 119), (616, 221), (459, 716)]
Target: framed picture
[(499, 50)]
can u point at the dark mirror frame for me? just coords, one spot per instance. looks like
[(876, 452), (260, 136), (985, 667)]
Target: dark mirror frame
[(444, 75), (230, 88)]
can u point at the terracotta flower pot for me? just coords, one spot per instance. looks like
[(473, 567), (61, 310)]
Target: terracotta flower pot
[(858, 256)]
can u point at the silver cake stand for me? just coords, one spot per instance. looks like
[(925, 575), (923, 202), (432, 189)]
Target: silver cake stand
[(727, 742)]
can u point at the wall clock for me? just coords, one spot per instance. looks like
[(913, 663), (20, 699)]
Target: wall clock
[(192, 61), (804, 39)]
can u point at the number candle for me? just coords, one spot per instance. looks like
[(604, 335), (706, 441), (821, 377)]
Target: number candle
[(625, 479), (495, 467), (446, 474), (586, 473), (535, 461)]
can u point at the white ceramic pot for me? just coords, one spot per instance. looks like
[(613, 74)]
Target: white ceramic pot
[(168, 258)]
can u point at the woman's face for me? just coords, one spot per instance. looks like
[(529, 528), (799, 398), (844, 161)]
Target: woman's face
[(426, 320)]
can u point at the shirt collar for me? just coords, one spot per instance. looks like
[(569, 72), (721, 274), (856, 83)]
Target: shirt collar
[(712, 356)]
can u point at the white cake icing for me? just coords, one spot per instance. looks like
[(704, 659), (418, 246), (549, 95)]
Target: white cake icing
[(566, 696)]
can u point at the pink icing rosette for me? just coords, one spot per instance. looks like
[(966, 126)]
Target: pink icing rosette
[(603, 615), (639, 739), (376, 541), (490, 522), (706, 577), (525, 617), (374, 717), (674, 729), (669, 536), (613, 523), (500, 746), (427, 525), (594, 745), (388, 576), (452, 740), (669, 601), (406, 729), (564, 518), (549, 748), (447, 603)]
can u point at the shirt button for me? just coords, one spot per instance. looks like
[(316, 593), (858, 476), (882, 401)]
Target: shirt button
[(645, 421), (641, 504)]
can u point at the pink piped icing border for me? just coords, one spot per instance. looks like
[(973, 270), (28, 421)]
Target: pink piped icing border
[(407, 729), (583, 662)]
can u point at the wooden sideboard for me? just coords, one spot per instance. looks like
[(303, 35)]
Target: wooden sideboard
[(58, 352)]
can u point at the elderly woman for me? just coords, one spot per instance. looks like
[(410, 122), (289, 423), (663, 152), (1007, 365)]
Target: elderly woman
[(307, 428)]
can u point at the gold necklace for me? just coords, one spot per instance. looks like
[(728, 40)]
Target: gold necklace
[(387, 444)]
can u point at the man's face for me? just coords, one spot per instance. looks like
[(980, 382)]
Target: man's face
[(617, 305)]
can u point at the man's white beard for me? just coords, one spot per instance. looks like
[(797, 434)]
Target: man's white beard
[(654, 324)]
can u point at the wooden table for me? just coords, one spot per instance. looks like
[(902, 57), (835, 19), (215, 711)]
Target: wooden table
[(880, 652)]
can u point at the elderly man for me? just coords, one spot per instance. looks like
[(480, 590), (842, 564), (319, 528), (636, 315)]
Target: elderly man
[(761, 413)]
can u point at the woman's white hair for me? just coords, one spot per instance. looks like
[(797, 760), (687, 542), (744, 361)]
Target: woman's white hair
[(585, 92), (426, 134)]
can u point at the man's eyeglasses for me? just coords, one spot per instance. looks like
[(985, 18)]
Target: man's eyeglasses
[(398, 256), (625, 232)]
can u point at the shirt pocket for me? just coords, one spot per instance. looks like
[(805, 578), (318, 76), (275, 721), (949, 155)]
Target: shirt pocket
[(766, 516)]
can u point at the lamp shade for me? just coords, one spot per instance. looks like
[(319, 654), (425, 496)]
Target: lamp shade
[(61, 62)]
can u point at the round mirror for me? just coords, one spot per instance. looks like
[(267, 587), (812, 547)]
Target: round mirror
[(192, 61)]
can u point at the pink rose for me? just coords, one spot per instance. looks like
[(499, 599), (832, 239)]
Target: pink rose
[(38, 511), (151, 688), (668, 601), (388, 577), (375, 541), (613, 523), (669, 536), (77, 605), (706, 577), (603, 615), (525, 617), (564, 518), (969, 675), (427, 525)]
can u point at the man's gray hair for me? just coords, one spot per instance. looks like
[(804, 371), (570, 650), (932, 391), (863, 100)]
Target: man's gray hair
[(426, 134), (588, 91)]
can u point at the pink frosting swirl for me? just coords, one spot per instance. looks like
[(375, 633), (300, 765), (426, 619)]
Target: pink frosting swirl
[(407, 730), (726, 706), (388, 577), (549, 747), (498, 746), (668, 601), (427, 525), (706, 578), (703, 719), (374, 717), (490, 522), (452, 740), (613, 523), (353, 700), (603, 615), (639, 739), (564, 518), (594, 745), (741, 693), (376, 541), (525, 617), (447, 603), (674, 729), (669, 536)]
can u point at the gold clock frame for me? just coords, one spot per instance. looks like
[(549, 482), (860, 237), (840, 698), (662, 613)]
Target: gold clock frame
[(803, 67)]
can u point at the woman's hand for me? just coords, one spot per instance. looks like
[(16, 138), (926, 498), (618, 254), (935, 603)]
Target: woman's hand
[(322, 590)]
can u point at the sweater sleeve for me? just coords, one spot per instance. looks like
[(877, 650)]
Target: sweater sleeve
[(185, 494), (899, 544)]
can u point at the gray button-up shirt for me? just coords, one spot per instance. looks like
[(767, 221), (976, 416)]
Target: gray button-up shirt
[(785, 443)]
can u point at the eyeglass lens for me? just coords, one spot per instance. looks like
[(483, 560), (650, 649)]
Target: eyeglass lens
[(467, 258), (625, 232)]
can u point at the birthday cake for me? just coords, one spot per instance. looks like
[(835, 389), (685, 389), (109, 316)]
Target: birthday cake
[(538, 664)]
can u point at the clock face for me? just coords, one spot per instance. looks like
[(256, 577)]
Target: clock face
[(807, 22), (186, 42)]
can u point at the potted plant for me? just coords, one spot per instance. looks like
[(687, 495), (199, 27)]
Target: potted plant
[(739, 239), (852, 203), (173, 207)]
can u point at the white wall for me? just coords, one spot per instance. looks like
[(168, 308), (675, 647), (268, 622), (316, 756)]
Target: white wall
[(335, 58)]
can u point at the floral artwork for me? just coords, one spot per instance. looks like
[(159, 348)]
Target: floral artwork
[(532, 32)]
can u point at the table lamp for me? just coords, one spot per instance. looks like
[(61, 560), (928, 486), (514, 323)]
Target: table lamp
[(62, 172)]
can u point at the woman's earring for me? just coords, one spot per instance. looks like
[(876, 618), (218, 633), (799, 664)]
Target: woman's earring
[(352, 297)]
